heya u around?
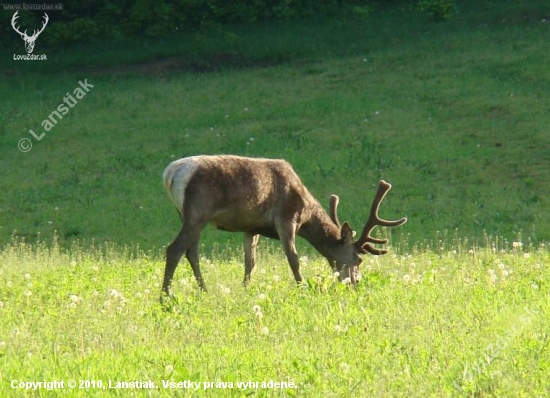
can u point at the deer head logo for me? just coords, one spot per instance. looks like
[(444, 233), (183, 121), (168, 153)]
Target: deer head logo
[(29, 40)]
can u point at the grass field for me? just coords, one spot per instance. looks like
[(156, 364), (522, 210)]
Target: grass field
[(457, 320), (455, 115), (461, 133)]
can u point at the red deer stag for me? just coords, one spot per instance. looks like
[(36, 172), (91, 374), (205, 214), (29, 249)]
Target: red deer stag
[(261, 197)]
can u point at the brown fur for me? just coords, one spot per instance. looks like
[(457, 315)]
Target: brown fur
[(256, 197)]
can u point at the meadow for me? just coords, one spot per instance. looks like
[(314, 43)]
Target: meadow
[(452, 320), (455, 115)]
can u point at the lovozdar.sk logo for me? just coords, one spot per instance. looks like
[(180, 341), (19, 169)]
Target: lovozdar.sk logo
[(29, 40)]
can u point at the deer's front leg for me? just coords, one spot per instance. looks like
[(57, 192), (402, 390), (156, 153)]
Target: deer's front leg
[(250, 241), (287, 235)]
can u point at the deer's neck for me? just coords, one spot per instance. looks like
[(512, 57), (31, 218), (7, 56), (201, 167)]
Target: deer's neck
[(320, 231)]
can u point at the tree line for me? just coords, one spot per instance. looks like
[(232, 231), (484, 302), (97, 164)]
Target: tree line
[(91, 20)]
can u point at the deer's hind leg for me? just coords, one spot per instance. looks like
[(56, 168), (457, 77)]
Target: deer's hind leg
[(186, 242)]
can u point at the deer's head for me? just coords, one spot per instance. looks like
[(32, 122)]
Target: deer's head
[(29, 40), (346, 257)]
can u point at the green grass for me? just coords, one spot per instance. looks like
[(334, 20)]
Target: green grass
[(453, 320), (460, 133), (453, 114)]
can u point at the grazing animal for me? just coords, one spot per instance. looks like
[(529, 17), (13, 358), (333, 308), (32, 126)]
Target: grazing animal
[(261, 197)]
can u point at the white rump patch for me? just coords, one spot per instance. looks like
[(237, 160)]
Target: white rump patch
[(176, 176)]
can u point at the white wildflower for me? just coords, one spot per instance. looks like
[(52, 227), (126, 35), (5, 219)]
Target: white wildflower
[(74, 298), (345, 367), (264, 330)]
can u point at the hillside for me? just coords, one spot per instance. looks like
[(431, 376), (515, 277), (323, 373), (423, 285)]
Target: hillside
[(455, 115)]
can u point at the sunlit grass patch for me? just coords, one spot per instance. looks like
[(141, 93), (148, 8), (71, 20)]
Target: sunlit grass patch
[(454, 320)]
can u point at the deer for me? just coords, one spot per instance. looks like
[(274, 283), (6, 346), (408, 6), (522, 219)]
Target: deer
[(29, 40), (262, 197)]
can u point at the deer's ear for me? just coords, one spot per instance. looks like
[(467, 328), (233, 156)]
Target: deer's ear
[(346, 233)]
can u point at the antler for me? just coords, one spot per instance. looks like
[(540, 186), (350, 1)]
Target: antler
[(15, 16), (43, 25), (35, 33), (334, 210), (364, 242)]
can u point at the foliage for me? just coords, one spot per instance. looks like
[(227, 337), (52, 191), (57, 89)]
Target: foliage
[(438, 9), (106, 19)]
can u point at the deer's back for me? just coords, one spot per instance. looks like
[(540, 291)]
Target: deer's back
[(236, 193)]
